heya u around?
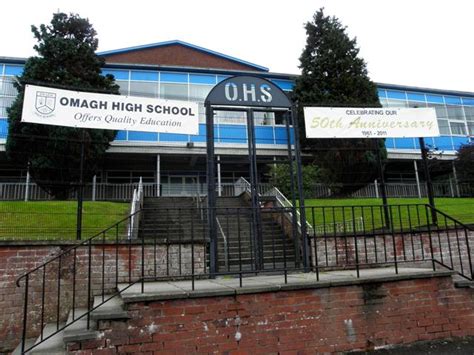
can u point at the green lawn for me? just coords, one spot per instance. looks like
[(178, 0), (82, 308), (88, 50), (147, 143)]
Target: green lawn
[(404, 212), (56, 220)]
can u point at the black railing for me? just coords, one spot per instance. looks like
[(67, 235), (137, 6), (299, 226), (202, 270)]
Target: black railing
[(172, 243)]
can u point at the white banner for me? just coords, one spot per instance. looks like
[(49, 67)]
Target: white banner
[(50, 106), (326, 122)]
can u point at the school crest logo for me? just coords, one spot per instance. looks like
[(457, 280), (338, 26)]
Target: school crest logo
[(45, 102)]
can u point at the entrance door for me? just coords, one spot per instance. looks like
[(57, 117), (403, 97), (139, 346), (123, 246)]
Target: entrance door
[(177, 185)]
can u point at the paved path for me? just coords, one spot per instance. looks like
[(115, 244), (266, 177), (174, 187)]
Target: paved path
[(227, 286), (440, 347)]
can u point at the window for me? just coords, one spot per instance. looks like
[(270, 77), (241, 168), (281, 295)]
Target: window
[(264, 118), (232, 117), (469, 111), (174, 91), (5, 102), (280, 117), (458, 128), (199, 92), (6, 86), (441, 112), (470, 127), (416, 104), (455, 112), (123, 86), (144, 88), (443, 127), (396, 103)]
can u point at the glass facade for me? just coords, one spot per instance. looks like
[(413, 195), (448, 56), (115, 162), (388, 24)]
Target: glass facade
[(455, 113), (455, 117)]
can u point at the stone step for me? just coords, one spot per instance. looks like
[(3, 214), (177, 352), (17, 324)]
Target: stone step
[(78, 330), (113, 308), (464, 284), (76, 326), (52, 346)]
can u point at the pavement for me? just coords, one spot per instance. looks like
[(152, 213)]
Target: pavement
[(464, 346), (230, 286)]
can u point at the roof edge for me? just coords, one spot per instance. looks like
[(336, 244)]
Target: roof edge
[(189, 45)]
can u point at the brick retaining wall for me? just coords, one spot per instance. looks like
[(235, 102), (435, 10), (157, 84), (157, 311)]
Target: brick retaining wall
[(330, 319), (15, 260)]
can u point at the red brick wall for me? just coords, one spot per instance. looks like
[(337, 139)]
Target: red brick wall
[(318, 320), (15, 260), (176, 55)]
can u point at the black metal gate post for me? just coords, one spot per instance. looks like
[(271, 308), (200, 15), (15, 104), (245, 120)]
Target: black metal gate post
[(429, 185), (211, 191), (80, 191), (383, 189), (292, 190), (245, 94), (299, 176), (256, 216)]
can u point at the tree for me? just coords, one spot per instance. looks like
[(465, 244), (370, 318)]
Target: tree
[(334, 75), (66, 59), (281, 178), (465, 163)]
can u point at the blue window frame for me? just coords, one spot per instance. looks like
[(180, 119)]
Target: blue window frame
[(453, 100), (399, 95), (232, 134), (413, 96), (202, 134), (264, 135), (443, 143), (202, 79), (468, 101), (144, 75), (436, 99), (174, 77), (142, 136), (13, 69), (173, 137), (404, 143), (118, 74), (284, 84), (222, 77)]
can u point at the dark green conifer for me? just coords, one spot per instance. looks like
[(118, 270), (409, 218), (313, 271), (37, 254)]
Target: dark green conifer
[(332, 74), (66, 59)]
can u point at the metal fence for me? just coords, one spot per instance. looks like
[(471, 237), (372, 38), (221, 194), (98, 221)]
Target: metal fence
[(94, 267), (19, 191), (373, 190)]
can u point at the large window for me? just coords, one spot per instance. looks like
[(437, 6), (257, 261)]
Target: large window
[(396, 103), (199, 92), (123, 84), (144, 88), (455, 112), (458, 128), (7, 94), (174, 91)]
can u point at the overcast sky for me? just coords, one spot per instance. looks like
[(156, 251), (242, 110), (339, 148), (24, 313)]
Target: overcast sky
[(425, 43)]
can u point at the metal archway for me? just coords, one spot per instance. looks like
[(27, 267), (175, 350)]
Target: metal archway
[(249, 94)]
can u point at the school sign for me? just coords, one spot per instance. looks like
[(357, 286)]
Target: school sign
[(50, 106), (327, 122)]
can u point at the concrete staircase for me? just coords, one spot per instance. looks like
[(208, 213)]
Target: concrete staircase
[(76, 331), (177, 219), (235, 220), (171, 219)]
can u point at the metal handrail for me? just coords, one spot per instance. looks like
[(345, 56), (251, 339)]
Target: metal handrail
[(284, 202), (136, 205), (86, 243), (224, 237)]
